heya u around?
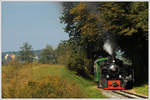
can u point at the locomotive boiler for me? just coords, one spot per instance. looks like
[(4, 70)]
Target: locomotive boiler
[(111, 73)]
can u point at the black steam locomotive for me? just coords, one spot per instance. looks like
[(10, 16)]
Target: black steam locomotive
[(112, 73)]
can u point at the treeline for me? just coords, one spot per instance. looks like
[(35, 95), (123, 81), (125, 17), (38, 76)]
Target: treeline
[(27, 55), (90, 24)]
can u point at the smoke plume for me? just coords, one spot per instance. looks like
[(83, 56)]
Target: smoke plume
[(109, 43), (108, 47)]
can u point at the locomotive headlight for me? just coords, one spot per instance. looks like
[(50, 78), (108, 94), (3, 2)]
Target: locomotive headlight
[(120, 76), (107, 76), (113, 61)]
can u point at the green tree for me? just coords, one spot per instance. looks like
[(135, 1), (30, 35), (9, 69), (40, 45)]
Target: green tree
[(47, 55), (26, 54)]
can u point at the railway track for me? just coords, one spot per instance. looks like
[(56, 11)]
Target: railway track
[(129, 94), (121, 94)]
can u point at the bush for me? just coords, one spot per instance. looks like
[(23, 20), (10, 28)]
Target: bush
[(81, 65), (47, 55)]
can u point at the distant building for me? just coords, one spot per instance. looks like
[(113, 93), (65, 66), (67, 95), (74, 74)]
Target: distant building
[(9, 57), (36, 57)]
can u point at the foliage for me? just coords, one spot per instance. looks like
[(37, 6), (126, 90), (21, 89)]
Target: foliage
[(125, 18), (84, 34), (47, 55), (26, 54), (78, 63), (62, 52), (88, 25)]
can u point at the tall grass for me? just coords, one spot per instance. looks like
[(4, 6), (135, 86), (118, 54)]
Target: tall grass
[(18, 82)]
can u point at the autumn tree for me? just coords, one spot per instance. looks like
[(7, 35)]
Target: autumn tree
[(83, 30)]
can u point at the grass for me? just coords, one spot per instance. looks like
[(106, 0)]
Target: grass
[(43, 80), (60, 70), (142, 89)]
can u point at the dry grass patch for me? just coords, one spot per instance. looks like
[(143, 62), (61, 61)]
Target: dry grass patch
[(18, 82)]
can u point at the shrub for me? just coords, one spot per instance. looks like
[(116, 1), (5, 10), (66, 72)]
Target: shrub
[(81, 65)]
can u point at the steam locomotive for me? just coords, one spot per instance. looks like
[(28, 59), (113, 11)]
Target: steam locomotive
[(112, 73)]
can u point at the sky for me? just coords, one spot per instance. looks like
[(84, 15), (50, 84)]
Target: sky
[(34, 22)]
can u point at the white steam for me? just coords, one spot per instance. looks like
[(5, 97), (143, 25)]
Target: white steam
[(108, 47)]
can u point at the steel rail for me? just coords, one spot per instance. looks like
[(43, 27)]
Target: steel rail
[(129, 94), (145, 97)]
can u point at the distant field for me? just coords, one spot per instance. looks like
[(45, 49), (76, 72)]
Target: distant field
[(37, 74)]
